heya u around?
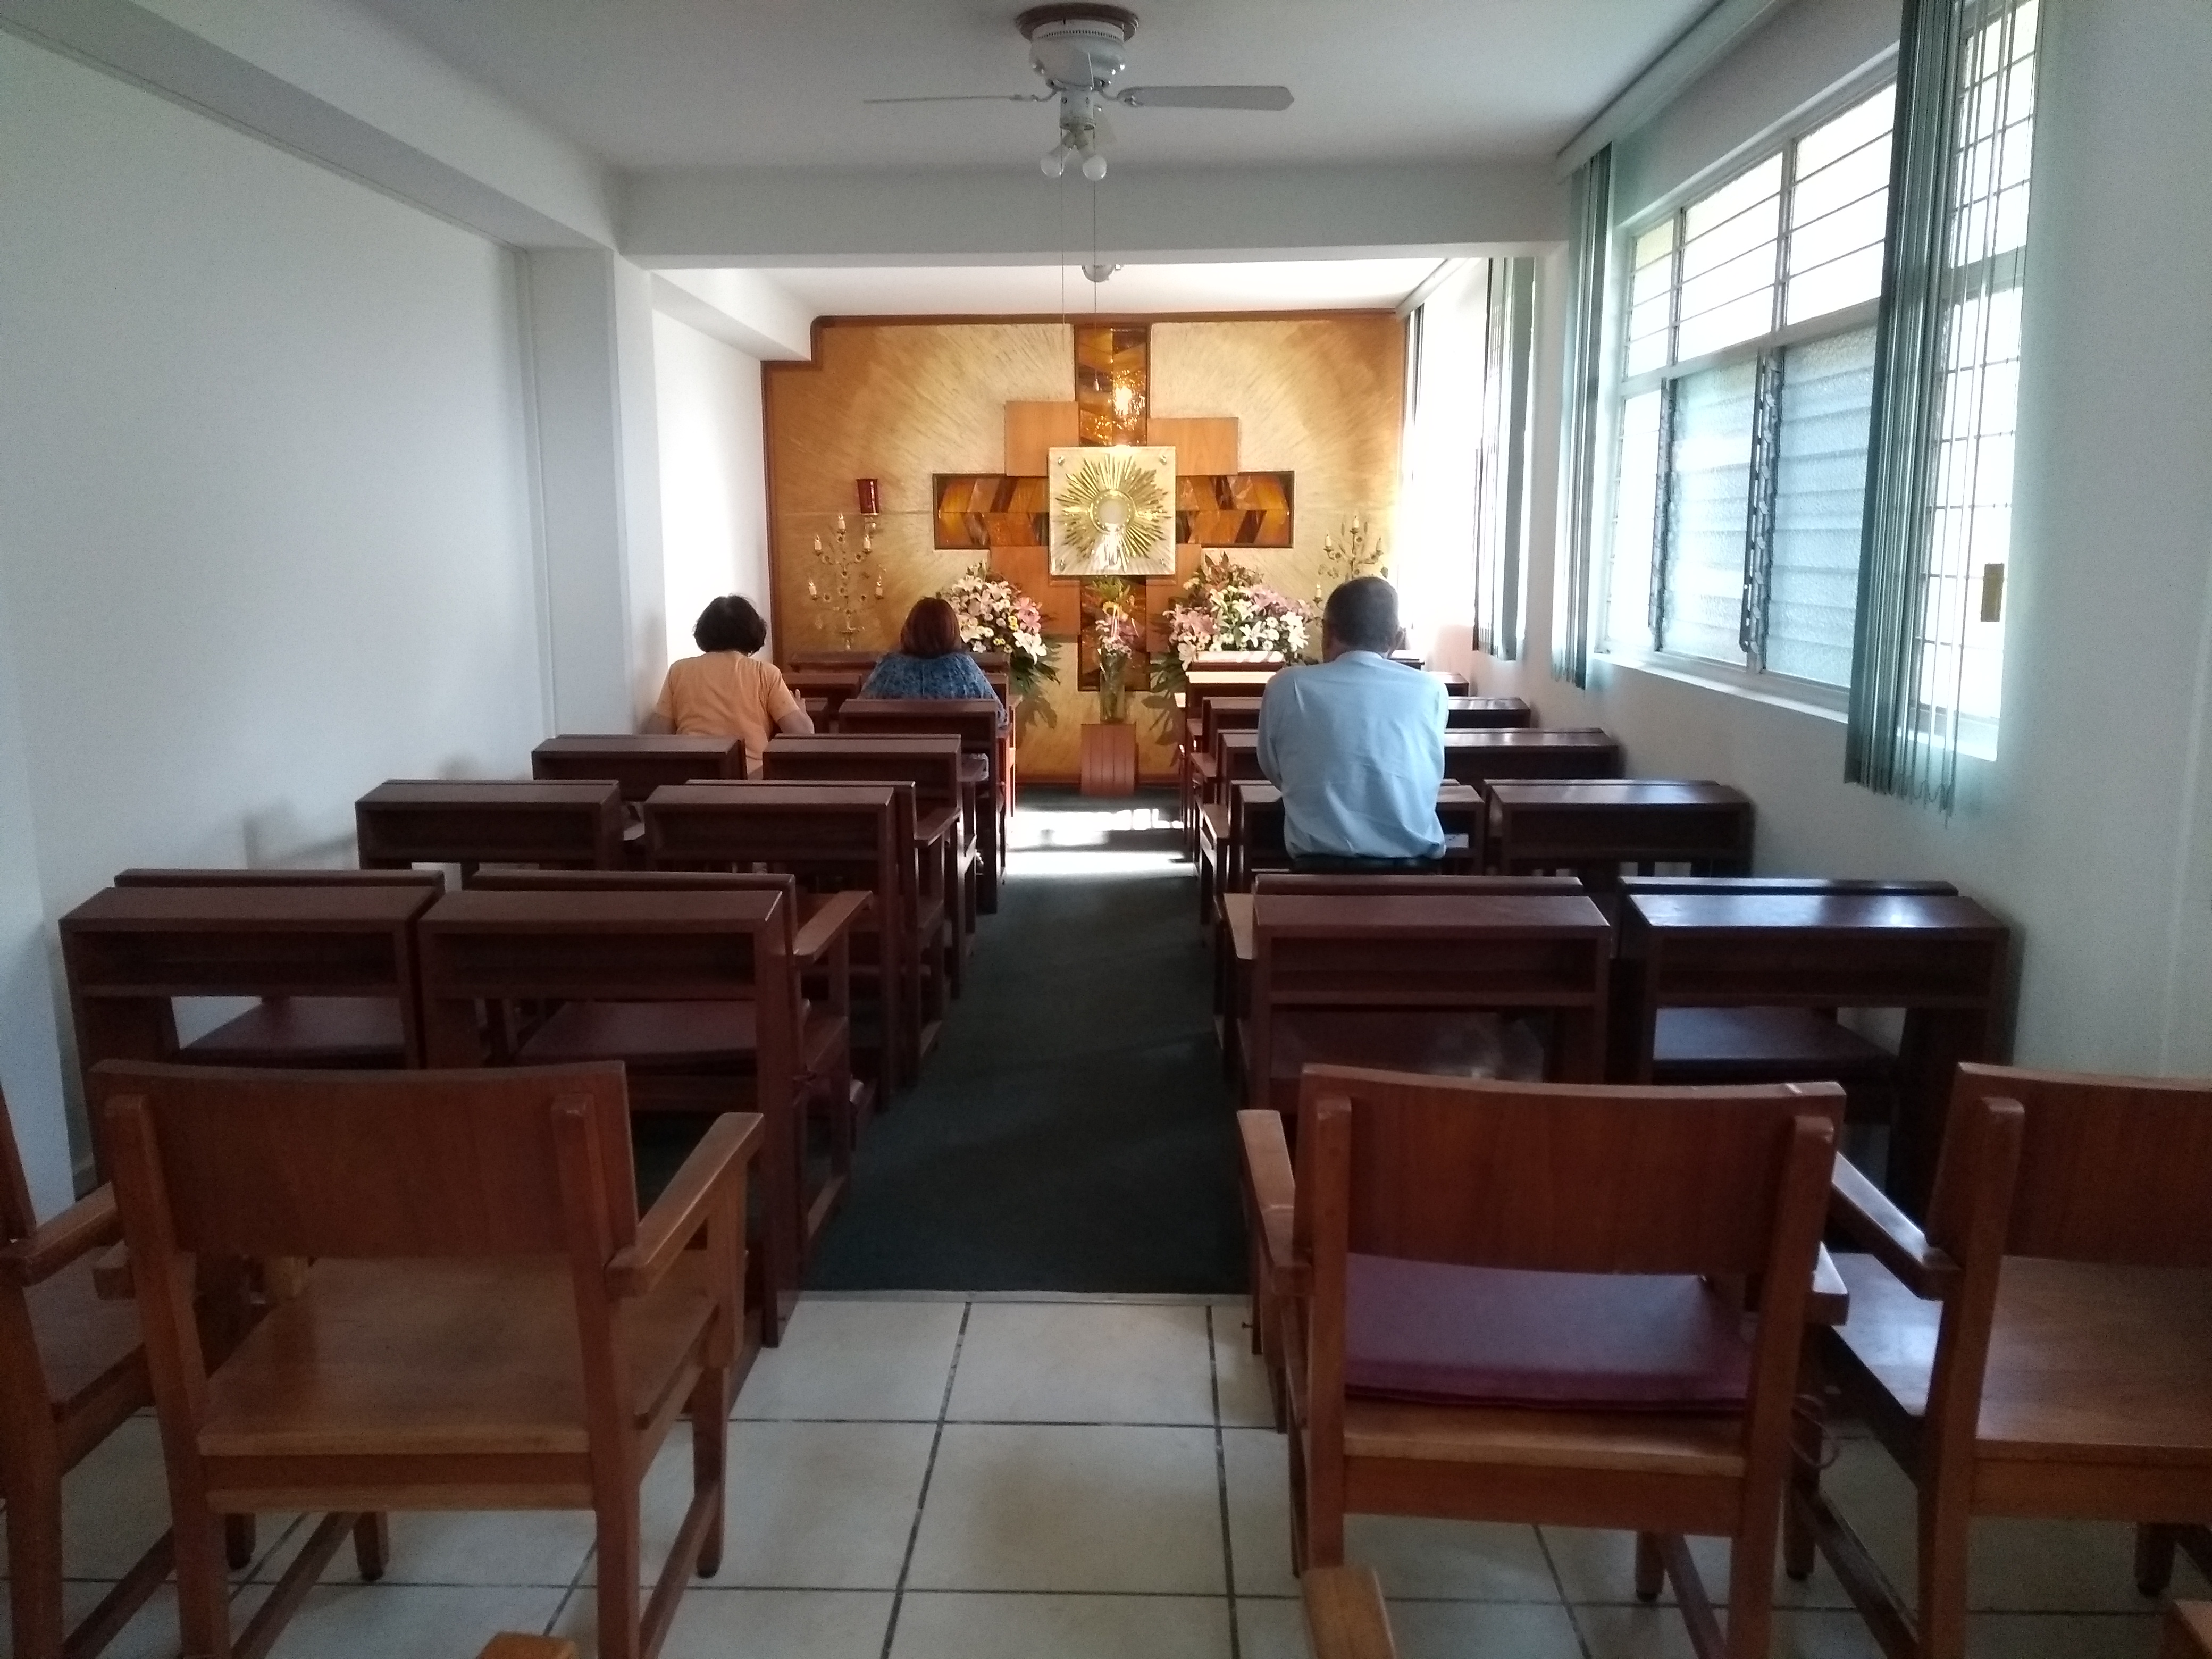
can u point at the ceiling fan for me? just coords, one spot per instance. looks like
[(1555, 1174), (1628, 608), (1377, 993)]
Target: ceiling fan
[(1076, 47)]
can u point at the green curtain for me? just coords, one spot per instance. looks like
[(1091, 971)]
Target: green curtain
[(1590, 231), (1903, 737)]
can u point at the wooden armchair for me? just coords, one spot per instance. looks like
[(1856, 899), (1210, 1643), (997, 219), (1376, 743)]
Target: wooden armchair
[(1516, 1302), (2044, 1349), (488, 1323), (71, 1370)]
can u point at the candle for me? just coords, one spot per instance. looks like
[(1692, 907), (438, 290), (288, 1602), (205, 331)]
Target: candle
[(818, 543), (841, 521)]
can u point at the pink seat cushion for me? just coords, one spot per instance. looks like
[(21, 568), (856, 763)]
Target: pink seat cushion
[(1439, 1334)]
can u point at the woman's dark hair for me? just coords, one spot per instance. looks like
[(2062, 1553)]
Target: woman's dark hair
[(933, 629), (729, 623)]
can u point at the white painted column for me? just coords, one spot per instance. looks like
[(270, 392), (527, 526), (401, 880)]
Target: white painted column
[(590, 322)]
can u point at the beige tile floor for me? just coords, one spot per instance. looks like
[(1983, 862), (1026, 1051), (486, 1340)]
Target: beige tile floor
[(1062, 1479)]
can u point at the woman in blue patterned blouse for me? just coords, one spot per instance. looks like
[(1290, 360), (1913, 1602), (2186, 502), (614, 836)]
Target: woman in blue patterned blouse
[(930, 661)]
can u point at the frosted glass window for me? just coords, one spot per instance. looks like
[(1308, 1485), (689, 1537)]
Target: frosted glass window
[(1728, 263), (1651, 298), (1827, 401), (1839, 210), (1635, 523), (1709, 512)]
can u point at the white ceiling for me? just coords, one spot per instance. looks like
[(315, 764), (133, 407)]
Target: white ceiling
[(997, 290), (661, 83)]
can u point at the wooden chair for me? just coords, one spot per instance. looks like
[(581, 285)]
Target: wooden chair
[(488, 1323), (559, 826), (71, 1371), (848, 835), (1345, 1615), (1436, 985), (691, 990), (2043, 1349), (1514, 1303), (974, 722)]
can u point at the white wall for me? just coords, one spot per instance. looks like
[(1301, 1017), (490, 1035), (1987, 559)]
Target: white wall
[(266, 527), (2089, 833), (714, 488)]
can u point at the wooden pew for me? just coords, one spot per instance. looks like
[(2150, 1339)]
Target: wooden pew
[(336, 964), (1694, 1047), (1486, 714), (863, 661), (1456, 684), (561, 826), (850, 835), (1201, 687), (311, 1031), (638, 764), (820, 947), (691, 989), (945, 809), (1592, 827), (832, 686), (976, 722), (1941, 959), (1256, 832), (1480, 756), (1415, 982)]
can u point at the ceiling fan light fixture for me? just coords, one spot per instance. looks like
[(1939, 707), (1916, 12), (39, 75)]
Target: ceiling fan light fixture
[(1094, 166), (1055, 161)]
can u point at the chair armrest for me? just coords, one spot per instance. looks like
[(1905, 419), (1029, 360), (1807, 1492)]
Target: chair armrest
[(87, 1224), (1884, 1231), (836, 918), (686, 1204), (1268, 1175), (1345, 1615)]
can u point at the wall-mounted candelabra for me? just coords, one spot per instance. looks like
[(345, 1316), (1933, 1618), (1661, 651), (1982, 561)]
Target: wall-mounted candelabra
[(848, 581), (1346, 555)]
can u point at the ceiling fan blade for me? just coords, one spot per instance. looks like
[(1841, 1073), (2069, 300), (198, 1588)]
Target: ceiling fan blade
[(1205, 97), (969, 98)]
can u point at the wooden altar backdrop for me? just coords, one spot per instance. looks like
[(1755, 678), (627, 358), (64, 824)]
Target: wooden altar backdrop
[(1284, 427)]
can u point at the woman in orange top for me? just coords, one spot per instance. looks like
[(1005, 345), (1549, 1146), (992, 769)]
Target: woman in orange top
[(724, 693)]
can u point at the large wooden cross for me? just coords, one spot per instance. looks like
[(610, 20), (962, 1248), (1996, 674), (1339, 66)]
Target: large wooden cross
[(1007, 514)]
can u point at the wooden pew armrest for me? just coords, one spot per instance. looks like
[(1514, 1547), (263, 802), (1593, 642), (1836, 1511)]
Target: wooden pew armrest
[(715, 1168), (835, 919), (1885, 1232), (1274, 1187), (87, 1224)]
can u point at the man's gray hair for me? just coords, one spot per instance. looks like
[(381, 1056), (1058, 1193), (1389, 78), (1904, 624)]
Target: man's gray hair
[(1361, 615)]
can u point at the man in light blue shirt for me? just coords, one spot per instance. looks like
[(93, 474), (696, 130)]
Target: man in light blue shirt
[(1355, 744)]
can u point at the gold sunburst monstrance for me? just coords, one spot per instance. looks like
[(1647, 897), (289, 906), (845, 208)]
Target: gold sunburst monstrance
[(1113, 512)]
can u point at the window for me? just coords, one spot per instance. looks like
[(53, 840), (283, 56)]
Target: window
[(1746, 394)]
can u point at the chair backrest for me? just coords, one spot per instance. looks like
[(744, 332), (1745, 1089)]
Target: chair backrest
[(575, 825), (257, 1164), (2111, 1170), (1564, 1178), (637, 764)]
